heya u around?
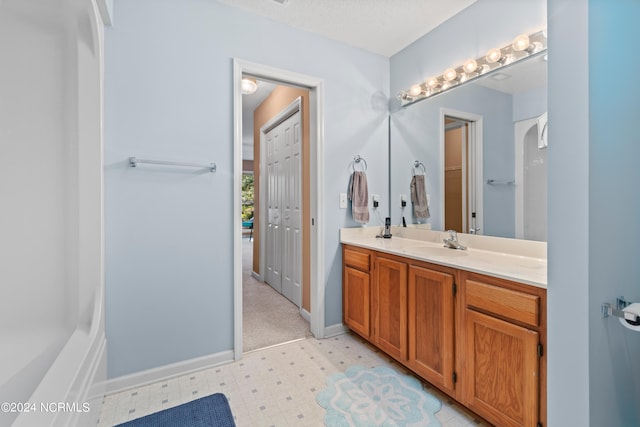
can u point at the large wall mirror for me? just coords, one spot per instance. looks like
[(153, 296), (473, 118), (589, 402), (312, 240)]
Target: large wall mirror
[(482, 149)]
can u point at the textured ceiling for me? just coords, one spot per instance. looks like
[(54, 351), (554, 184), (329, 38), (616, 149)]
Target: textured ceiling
[(380, 26)]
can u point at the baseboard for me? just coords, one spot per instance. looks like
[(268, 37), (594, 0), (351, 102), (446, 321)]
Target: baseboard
[(142, 378), (305, 315), (333, 330), (256, 276)]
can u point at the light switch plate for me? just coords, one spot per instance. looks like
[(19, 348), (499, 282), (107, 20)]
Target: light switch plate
[(343, 200)]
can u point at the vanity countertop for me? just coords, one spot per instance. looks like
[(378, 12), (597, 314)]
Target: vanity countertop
[(518, 260)]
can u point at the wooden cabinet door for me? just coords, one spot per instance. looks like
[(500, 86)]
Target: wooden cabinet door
[(431, 325), (356, 301), (391, 307), (501, 378)]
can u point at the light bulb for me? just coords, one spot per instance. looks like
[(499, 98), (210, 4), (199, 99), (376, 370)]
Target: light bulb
[(415, 90), (450, 74), (446, 85), (432, 82), (248, 86), (521, 43), (493, 55), (470, 66)]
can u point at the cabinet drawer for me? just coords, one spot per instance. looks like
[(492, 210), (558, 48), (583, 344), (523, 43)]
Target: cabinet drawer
[(508, 303), (357, 259)]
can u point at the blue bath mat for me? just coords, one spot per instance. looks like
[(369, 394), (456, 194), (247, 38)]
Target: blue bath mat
[(368, 397), (209, 411)]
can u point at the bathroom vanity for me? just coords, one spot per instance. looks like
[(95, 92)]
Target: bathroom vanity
[(472, 323)]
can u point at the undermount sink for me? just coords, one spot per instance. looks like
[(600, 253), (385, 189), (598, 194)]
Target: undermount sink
[(435, 251)]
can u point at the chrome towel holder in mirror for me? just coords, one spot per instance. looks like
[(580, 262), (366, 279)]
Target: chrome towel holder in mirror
[(418, 164)]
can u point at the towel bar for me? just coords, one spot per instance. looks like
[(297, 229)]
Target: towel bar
[(500, 182), (134, 161)]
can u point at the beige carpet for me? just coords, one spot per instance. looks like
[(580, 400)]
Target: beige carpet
[(268, 317)]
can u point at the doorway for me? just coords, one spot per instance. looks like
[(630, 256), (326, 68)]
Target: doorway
[(461, 144), (312, 188), (276, 143)]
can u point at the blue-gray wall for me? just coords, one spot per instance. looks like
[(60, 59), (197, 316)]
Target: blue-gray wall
[(168, 95), (614, 201), (568, 215), (594, 374)]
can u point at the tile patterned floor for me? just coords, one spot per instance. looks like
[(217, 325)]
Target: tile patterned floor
[(269, 387)]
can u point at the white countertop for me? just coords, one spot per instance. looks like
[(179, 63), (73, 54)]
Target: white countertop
[(518, 260)]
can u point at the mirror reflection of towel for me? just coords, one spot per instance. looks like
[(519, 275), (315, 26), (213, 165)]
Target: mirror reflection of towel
[(419, 197), (359, 196)]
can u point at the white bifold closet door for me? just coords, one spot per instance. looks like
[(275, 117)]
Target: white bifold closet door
[(284, 208)]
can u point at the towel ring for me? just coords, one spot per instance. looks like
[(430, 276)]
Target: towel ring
[(357, 159), (419, 164)]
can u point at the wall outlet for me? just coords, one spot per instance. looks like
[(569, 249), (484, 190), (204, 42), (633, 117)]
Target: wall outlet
[(343, 200), (403, 200), (375, 198)]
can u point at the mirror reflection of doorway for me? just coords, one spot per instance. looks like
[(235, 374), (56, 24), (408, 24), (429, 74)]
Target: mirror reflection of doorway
[(531, 181), (455, 174), (460, 178)]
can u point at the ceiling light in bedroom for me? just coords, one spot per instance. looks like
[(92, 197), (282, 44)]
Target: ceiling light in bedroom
[(248, 86)]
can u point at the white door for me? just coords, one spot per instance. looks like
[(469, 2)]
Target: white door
[(284, 204), (274, 172)]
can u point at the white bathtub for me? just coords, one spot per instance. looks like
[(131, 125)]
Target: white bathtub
[(52, 340), (65, 391)]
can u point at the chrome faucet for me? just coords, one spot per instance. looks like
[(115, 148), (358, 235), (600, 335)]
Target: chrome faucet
[(452, 241)]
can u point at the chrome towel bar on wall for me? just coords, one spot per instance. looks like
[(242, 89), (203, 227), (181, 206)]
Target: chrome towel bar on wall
[(134, 161)]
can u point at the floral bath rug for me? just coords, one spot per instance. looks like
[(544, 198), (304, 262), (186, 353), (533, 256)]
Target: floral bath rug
[(380, 397)]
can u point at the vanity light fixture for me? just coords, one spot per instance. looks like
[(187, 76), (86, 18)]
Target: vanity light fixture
[(521, 43), (450, 75), (521, 47), (494, 55), (415, 90), (470, 66), (248, 86)]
